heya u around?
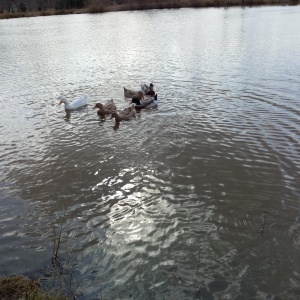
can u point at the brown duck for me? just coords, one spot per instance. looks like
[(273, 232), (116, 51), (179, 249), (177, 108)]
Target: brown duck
[(107, 109), (124, 115)]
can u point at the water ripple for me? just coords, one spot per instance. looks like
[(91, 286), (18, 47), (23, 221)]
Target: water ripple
[(169, 204)]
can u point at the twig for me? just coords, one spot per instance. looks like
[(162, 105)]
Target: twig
[(58, 243), (200, 248), (4, 271), (56, 246), (263, 223)]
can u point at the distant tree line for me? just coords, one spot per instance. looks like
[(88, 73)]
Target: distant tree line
[(102, 5), (40, 5)]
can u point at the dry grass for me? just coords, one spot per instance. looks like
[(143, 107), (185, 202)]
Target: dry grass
[(98, 6), (21, 287), (8, 15), (95, 9), (168, 4), (28, 14), (54, 285), (17, 286)]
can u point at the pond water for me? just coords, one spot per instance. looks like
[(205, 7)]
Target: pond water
[(198, 199)]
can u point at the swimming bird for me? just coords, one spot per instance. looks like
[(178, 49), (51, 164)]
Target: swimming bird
[(129, 93), (75, 104), (147, 103), (124, 115), (108, 108)]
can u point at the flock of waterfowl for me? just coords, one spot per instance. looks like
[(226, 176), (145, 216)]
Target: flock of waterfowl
[(143, 99)]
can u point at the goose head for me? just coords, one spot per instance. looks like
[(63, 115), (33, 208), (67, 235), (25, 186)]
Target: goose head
[(63, 100)]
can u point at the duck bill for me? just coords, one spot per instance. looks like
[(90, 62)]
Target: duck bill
[(60, 102)]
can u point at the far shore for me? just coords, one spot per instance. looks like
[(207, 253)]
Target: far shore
[(98, 8)]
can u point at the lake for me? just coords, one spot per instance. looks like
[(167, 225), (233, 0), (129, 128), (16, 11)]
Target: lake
[(198, 199)]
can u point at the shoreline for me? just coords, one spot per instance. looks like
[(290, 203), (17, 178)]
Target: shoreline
[(93, 8)]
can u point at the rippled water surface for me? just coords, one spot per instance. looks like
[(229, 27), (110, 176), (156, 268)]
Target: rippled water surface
[(168, 205)]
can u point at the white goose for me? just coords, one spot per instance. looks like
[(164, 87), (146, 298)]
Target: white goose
[(75, 104)]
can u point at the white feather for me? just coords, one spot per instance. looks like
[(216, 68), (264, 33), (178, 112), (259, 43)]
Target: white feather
[(74, 104)]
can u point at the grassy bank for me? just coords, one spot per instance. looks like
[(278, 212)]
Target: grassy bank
[(27, 14), (52, 282), (97, 6), (21, 287)]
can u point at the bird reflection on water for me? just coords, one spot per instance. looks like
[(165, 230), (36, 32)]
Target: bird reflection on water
[(69, 112), (102, 119), (116, 126), (67, 117)]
